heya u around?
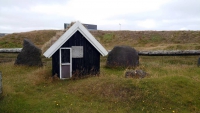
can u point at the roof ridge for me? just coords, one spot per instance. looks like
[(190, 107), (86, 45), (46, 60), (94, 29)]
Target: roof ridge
[(67, 35)]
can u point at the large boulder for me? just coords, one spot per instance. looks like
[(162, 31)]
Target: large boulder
[(30, 55), (122, 56)]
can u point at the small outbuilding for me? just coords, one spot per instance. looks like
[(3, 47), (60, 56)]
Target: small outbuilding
[(76, 53)]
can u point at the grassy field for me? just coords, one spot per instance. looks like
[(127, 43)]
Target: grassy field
[(172, 86)]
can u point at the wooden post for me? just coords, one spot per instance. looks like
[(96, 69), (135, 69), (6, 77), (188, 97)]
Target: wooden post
[(0, 83), (198, 63)]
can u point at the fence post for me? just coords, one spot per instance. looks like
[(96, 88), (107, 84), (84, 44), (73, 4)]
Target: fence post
[(0, 83)]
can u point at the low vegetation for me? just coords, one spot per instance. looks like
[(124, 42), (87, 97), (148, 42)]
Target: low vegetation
[(141, 40), (153, 40), (15, 40), (172, 84)]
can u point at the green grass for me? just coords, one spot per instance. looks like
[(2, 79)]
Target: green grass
[(108, 37), (15, 40), (172, 86), (7, 57), (7, 44)]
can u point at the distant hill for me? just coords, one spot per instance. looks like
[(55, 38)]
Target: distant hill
[(139, 39)]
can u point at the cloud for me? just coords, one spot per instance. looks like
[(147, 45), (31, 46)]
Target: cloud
[(172, 15), (148, 24), (18, 16)]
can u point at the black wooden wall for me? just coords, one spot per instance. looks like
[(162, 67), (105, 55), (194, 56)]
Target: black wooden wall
[(89, 64)]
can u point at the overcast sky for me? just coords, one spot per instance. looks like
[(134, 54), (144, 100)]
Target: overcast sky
[(28, 15)]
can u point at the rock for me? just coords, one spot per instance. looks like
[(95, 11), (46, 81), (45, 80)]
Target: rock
[(198, 64), (141, 73), (122, 56), (130, 73), (30, 55), (135, 74)]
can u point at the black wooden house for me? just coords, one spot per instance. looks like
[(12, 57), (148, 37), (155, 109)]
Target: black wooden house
[(76, 52)]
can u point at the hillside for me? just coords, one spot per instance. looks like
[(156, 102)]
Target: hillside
[(139, 39), (150, 39), (15, 40)]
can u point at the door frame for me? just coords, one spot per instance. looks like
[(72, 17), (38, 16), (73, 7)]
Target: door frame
[(65, 63)]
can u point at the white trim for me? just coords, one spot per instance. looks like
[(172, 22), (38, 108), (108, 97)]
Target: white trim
[(70, 64), (76, 27)]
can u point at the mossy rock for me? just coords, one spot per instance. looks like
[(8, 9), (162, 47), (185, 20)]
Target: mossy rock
[(122, 56)]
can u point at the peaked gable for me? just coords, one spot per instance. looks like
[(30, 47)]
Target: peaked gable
[(76, 27)]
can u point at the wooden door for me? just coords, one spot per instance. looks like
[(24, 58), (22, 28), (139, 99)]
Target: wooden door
[(65, 63)]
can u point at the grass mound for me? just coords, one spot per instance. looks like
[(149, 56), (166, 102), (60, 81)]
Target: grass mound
[(15, 40)]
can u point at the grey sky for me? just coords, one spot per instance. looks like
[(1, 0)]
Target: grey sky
[(27, 15)]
